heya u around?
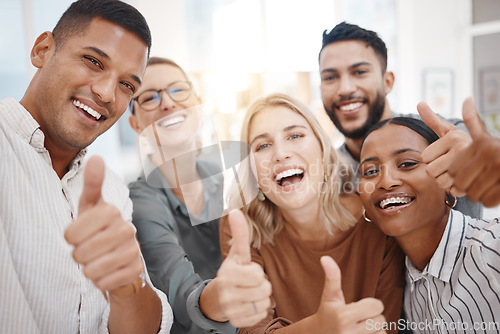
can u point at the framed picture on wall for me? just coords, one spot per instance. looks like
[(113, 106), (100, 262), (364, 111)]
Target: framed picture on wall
[(489, 90), (438, 90)]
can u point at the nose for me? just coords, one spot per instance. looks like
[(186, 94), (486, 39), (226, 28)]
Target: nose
[(105, 88), (280, 153), (389, 178), (166, 101), (347, 86)]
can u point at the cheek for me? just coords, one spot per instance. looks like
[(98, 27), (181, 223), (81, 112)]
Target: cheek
[(366, 188), (328, 91), (262, 169)]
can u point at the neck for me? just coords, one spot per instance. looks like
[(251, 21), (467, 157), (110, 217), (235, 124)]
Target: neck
[(354, 147), (304, 224), (191, 193), (354, 144), (421, 245), (60, 156)]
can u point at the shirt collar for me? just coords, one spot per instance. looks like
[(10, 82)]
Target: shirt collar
[(443, 261), (22, 122)]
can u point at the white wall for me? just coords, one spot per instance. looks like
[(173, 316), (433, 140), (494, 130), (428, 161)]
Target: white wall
[(432, 35)]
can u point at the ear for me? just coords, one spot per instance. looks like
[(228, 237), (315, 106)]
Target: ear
[(388, 81), (42, 49), (134, 124)]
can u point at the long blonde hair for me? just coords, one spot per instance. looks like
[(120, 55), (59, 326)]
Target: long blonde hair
[(265, 217)]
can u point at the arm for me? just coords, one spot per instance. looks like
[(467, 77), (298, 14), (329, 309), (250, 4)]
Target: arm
[(477, 170), (168, 265), (333, 314), (106, 247), (390, 287), (440, 155), (240, 292)]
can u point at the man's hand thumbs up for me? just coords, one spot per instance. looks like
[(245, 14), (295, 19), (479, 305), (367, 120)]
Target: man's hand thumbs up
[(92, 183)]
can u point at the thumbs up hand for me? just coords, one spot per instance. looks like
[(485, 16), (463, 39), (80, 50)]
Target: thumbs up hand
[(335, 316), (440, 155), (241, 292), (104, 244), (476, 171)]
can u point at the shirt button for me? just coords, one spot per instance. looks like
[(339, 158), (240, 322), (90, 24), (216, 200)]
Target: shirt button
[(37, 139)]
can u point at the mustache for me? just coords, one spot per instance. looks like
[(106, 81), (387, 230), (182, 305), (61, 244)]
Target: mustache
[(349, 98)]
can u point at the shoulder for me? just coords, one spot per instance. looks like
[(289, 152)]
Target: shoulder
[(483, 232), (149, 190), (482, 247)]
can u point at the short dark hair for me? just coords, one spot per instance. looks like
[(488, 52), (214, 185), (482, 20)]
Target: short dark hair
[(80, 13), (414, 124), (347, 32)]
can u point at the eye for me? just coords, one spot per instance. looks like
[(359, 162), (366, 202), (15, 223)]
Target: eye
[(369, 171), (93, 61), (328, 77), (128, 86), (261, 147), (360, 72), (296, 135), (408, 164)]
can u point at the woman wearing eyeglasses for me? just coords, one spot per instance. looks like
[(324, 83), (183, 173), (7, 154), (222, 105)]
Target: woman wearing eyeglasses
[(177, 198)]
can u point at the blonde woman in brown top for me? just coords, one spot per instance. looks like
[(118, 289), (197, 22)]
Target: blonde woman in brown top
[(306, 214)]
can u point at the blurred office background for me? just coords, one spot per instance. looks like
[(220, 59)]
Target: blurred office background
[(235, 51)]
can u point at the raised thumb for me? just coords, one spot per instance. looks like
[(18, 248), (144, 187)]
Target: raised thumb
[(332, 291), (471, 119), (240, 248), (436, 123), (92, 183)]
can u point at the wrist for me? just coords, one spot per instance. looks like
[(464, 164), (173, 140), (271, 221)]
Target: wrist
[(130, 289)]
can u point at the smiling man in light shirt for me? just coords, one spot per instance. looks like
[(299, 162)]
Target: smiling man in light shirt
[(69, 259)]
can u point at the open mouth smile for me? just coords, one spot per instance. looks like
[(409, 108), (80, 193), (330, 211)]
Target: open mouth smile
[(88, 110), (395, 202), (351, 106), (171, 121), (289, 177)]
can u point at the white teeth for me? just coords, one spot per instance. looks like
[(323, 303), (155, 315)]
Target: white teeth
[(393, 200), (89, 110), (351, 106), (289, 172), (173, 121)]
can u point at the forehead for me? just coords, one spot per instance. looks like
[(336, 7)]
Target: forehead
[(160, 75), (391, 138), (125, 49), (275, 119), (345, 53)]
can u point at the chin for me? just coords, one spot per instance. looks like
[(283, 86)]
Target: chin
[(391, 229)]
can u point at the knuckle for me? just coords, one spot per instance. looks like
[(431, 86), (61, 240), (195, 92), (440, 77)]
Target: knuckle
[(77, 256), (268, 288), (88, 272)]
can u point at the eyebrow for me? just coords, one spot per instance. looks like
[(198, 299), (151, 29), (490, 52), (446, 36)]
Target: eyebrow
[(353, 66), (285, 129), (105, 56), (401, 151)]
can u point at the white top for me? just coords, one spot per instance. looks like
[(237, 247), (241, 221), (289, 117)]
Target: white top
[(42, 289), (459, 290)]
